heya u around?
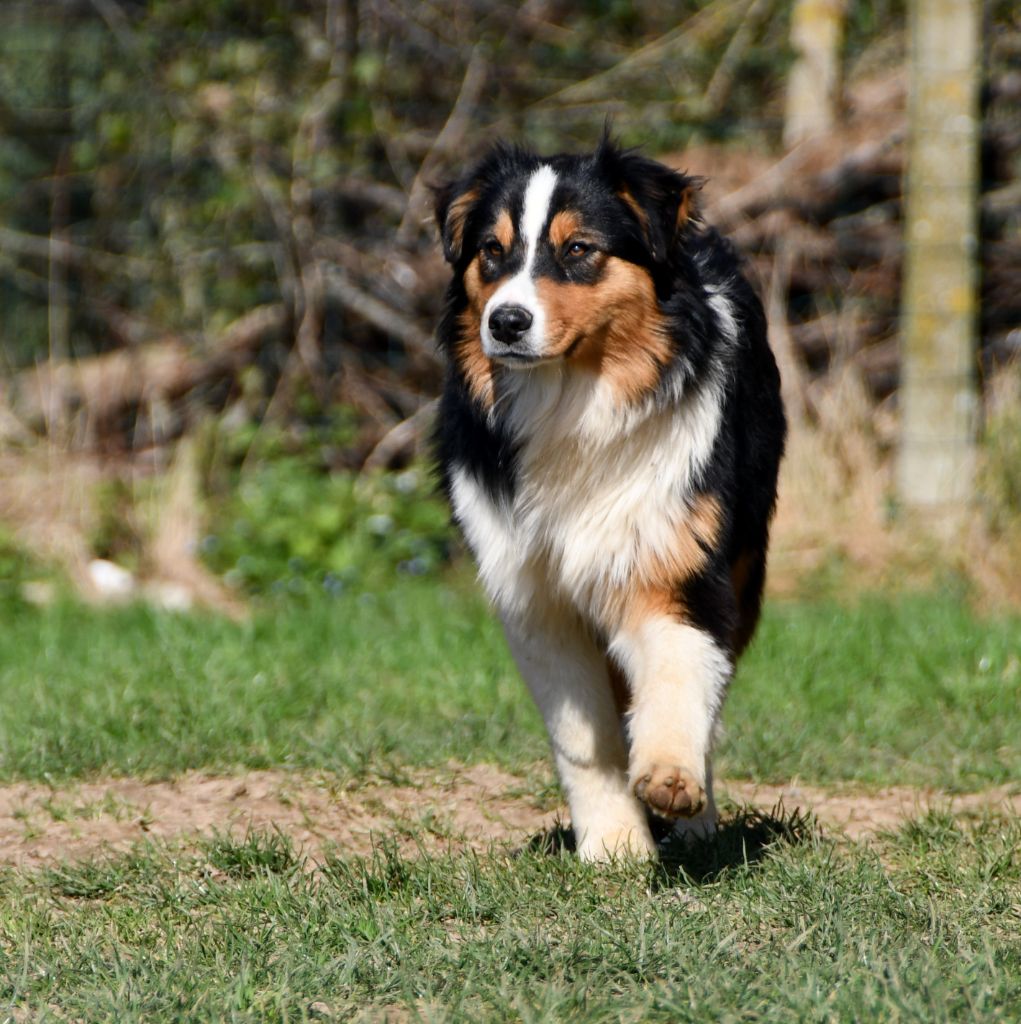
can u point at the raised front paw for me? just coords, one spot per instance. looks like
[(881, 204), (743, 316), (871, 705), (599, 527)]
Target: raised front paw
[(669, 791)]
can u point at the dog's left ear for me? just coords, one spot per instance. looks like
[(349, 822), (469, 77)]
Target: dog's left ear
[(662, 200), (453, 204)]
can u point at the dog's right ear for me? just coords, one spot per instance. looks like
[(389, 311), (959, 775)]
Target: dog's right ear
[(454, 203)]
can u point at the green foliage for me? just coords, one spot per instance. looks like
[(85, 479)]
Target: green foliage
[(289, 527), (16, 569)]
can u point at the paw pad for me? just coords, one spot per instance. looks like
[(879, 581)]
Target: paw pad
[(670, 791)]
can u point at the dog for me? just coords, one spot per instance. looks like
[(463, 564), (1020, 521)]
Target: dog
[(609, 437)]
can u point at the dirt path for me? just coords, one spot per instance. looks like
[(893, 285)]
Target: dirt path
[(465, 806)]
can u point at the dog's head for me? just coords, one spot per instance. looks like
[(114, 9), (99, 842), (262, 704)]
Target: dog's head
[(557, 254)]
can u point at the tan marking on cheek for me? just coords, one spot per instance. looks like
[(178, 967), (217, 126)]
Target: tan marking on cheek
[(503, 230), (637, 345), (564, 226), (575, 313), (476, 367), (477, 289), (612, 327)]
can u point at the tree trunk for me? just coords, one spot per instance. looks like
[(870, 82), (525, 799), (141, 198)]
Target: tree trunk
[(813, 86), (938, 397)]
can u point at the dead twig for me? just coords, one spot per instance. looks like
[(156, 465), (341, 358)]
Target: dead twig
[(694, 31), (449, 139), (773, 187), (791, 382), (418, 344), (103, 386), (59, 249), (405, 434), (718, 89)]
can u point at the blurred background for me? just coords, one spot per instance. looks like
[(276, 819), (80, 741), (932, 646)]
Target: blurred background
[(219, 276)]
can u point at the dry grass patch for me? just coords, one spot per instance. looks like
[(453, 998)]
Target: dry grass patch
[(461, 806), (457, 807), (837, 507)]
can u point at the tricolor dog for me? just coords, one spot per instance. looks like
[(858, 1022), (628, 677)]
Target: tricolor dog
[(609, 439)]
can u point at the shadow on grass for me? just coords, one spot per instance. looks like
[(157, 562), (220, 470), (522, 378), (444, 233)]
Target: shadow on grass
[(744, 837)]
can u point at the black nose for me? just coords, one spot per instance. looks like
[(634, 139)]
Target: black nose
[(508, 323)]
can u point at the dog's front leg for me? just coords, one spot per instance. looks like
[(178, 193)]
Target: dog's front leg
[(678, 676), (567, 676)]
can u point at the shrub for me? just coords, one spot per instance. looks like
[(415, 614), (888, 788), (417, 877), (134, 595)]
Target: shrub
[(289, 527)]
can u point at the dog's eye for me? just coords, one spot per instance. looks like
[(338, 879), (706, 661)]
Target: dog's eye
[(574, 250), (492, 248)]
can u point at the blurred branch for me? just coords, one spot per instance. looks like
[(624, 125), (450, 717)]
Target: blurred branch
[(342, 32), (103, 386), (833, 171), (119, 24), (58, 320), (373, 193), (37, 134), (697, 30), (419, 345), (791, 379), (117, 21), (55, 248), (718, 90), (449, 140), (396, 440)]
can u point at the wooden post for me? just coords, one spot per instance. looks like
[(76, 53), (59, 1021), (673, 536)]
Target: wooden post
[(938, 393), (813, 85)]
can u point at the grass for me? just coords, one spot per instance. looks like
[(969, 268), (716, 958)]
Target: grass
[(771, 921), (914, 689), (806, 932)]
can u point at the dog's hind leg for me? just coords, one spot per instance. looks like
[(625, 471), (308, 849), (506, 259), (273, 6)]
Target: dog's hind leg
[(567, 675)]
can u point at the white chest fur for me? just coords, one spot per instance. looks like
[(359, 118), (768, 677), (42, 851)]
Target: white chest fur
[(600, 492)]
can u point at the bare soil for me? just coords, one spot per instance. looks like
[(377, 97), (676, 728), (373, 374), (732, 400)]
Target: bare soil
[(457, 806)]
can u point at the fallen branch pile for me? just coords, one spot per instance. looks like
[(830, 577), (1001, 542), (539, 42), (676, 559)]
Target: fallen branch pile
[(822, 227)]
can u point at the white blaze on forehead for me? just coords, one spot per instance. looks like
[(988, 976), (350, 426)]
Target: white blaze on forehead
[(520, 289), (538, 195)]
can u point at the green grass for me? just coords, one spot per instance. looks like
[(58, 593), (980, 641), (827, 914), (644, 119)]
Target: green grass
[(770, 921), (909, 689), (802, 932), (417, 674)]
